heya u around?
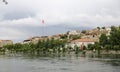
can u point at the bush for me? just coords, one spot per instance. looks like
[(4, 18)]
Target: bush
[(98, 28), (74, 37), (84, 48), (107, 47), (91, 46), (84, 31), (64, 36), (116, 47)]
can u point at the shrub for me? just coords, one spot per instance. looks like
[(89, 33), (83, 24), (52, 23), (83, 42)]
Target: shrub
[(84, 31), (116, 47), (91, 46), (107, 47)]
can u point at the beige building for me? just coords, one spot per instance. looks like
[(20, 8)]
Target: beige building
[(5, 42), (35, 39)]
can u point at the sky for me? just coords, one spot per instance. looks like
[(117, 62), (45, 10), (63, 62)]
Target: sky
[(21, 19)]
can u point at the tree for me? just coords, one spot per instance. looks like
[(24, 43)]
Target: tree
[(84, 47), (115, 36), (107, 47), (91, 46), (97, 47), (76, 49), (98, 28), (67, 32), (103, 39), (103, 27), (112, 41), (64, 36), (83, 31), (73, 37), (116, 47)]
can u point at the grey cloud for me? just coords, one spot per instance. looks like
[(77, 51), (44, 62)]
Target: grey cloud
[(48, 30), (18, 14), (25, 15)]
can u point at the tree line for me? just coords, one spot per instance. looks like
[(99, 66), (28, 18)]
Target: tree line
[(43, 46)]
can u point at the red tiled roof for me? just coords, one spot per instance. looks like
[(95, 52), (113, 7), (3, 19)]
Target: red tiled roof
[(84, 40)]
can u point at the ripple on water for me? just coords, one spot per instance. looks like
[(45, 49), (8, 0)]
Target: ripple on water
[(59, 64)]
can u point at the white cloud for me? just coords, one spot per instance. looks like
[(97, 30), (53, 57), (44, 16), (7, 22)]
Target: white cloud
[(78, 20), (8, 33), (63, 11), (87, 13), (20, 22)]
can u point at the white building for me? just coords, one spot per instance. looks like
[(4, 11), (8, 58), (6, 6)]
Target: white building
[(108, 31), (74, 32), (81, 42)]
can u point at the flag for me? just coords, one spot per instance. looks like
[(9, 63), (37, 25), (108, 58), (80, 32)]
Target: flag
[(43, 21)]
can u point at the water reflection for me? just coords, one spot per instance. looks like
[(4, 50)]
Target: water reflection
[(59, 63)]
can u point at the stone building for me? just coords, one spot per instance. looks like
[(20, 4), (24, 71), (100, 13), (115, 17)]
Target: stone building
[(5, 42)]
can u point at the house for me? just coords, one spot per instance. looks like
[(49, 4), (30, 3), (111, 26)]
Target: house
[(26, 41), (5, 42), (34, 39), (81, 42), (74, 32), (108, 31)]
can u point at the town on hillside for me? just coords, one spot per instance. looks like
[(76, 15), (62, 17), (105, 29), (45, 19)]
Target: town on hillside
[(74, 37), (106, 38)]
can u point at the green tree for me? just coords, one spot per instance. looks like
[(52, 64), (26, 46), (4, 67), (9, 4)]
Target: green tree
[(91, 46), (115, 36), (74, 37), (98, 28), (107, 47), (103, 39), (97, 47), (103, 27), (64, 36), (84, 47), (76, 49), (116, 47), (83, 31)]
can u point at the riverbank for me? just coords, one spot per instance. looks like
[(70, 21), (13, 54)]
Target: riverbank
[(102, 52), (82, 53)]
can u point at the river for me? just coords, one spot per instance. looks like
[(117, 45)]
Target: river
[(67, 63)]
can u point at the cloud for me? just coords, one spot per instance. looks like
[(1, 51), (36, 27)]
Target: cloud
[(19, 22), (18, 14), (78, 20), (73, 13), (8, 33), (61, 11)]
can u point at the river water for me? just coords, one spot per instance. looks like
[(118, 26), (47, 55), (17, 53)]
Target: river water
[(68, 63)]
